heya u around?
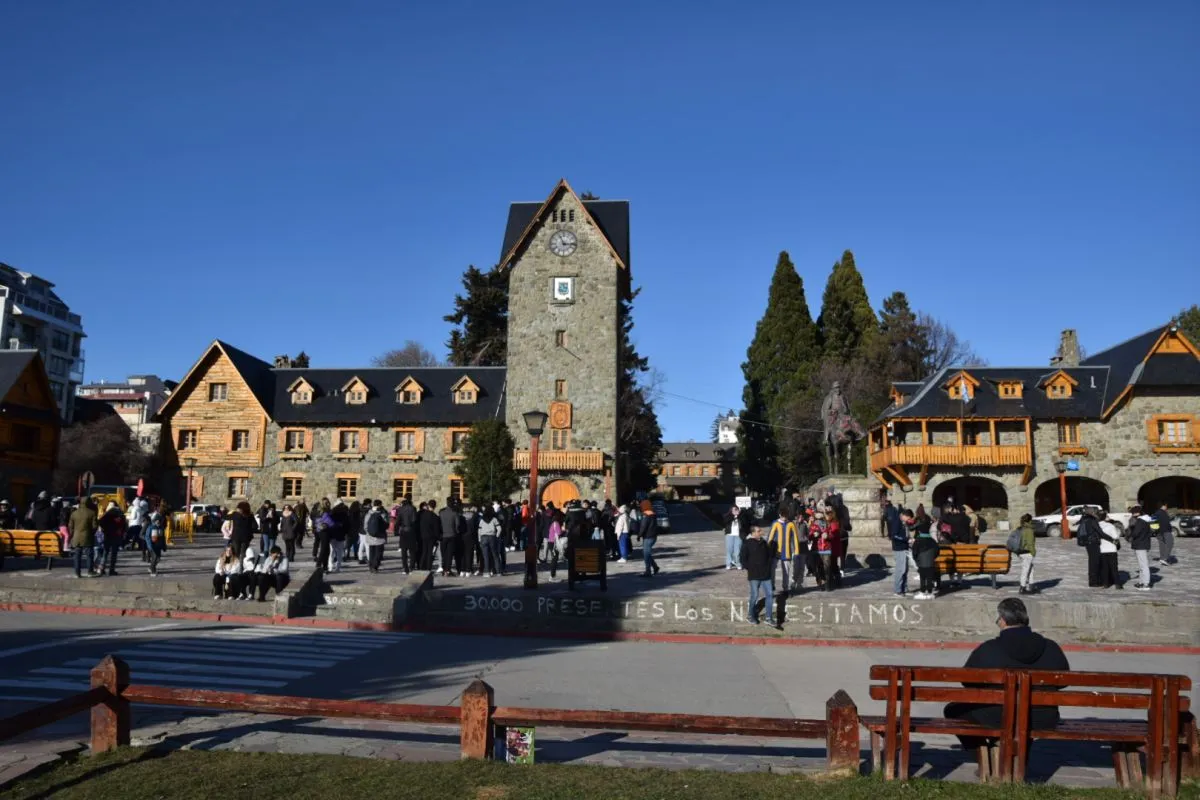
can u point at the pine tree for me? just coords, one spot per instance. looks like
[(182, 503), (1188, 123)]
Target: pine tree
[(481, 314), (847, 322), (777, 369), (1189, 324), (902, 341), (487, 466), (639, 437)]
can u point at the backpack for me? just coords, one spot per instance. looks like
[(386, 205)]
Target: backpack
[(1087, 535), (376, 525), (1013, 543), (981, 523)]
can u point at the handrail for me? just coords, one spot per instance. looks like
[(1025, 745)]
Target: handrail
[(35, 718), (650, 721)]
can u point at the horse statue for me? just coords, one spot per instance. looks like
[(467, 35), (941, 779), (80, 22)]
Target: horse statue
[(839, 427)]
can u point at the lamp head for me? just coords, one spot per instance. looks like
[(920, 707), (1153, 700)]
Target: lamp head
[(535, 422)]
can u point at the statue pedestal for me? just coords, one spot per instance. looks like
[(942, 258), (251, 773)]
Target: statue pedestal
[(863, 497)]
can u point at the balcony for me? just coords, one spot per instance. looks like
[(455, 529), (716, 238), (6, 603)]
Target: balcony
[(571, 460), (949, 455)]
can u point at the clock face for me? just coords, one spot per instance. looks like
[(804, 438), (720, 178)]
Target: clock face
[(563, 243)]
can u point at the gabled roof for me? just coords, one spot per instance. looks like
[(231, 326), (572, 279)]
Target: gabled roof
[(437, 404), (1135, 362), (255, 372), (12, 367), (705, 451), (1051, 377), (348, 385), (610, 216), (14, 364)]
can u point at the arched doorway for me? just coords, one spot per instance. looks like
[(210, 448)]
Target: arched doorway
[(560, 492), (1080, 490), (979, 493), (1178, 492)]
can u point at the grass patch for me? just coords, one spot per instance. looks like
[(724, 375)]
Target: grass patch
[(145, 774)]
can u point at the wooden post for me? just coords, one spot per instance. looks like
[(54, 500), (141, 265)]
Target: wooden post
[(110, 719), (841, 734), (478, 738)]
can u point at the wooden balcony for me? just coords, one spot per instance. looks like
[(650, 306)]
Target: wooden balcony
[(918, 455), (572, 460)]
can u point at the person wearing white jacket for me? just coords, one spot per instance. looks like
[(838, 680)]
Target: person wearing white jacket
[(227, 580), (272, 572), (249, 565), (1110, 543)]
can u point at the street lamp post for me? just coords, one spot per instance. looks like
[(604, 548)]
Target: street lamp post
[(187, 500), (535, 423), (1061, 466)]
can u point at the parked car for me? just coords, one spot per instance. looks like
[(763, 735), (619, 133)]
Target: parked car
[(1187, 524), (662, 518), (207, 516), (1051, 524)]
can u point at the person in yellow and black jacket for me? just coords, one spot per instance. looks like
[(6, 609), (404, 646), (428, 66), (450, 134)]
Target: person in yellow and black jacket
[(785, 537)]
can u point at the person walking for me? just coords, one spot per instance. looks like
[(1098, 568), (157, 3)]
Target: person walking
[(925, 550), (621, 528), (323, 524), (648, 532), (83, 525), (1107, 576), (1088, 536), (1139, 539), (758, 557), (375, 529), (898, 536), (112, 526), (242, 526), (268, 526), (1026, 552), (343, 521), (490, 542), (301, 512), (155, 539), (290, 528), (733, 538), (1160, 526), (785, 540)]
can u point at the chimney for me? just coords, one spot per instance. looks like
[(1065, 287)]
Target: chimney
[(282, 361), (1068, 350)]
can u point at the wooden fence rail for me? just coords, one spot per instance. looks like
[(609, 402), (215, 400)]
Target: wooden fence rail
[(478, 718)]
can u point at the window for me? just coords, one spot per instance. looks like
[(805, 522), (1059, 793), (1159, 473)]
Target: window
[(560, 439), (187, 440), (26, 438), (301, 397), (1068, 433), (457, 440), (347, 441), (239, 486), (554, 215), (60, 341), (1173, 432), (241, 440), (706, 471), (464, 396), (456, 489), (560, 390), (356, 397), (402, 487), (571, 215), (408, 397), (691, 471), (1059, 386), (406, 441), (218, 392), (347, 487), (1011, 390), (1058, 390), (293, 487), (691, 453), (675, 471), (294, 441), (560, 338)]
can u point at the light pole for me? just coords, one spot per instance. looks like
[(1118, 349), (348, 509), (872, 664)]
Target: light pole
[(187, 500), (535, 423), (1061, 466)]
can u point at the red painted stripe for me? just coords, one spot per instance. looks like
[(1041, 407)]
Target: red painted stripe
[(197, 616)]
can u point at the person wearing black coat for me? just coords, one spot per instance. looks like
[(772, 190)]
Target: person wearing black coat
[(244, 527), (41, 514), (758, 559), (289, 531), (406, 533), (1017, 646), (648, 533), (1140, 536), (1089, 536), (430, 528), (452, 529)]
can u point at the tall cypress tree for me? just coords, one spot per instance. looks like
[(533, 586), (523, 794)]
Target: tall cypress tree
[(777, 369), (902, 341), (639, 437), (847, 322), (481, 316)]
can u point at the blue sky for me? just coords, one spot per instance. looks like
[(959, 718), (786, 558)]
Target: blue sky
[(315, 175)]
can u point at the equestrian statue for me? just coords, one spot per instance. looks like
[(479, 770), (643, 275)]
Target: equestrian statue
[(840, 428)]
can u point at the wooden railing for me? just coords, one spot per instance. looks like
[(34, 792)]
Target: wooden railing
[(561, 459), (478, 719), (971, 455)]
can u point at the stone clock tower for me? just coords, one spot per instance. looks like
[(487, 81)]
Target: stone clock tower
[(568, 267)]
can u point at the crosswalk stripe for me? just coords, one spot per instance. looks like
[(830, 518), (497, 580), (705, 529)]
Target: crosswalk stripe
[(149, 664), (37, 683), (225, 681), (329, 636), (168, 652), (236, 646)]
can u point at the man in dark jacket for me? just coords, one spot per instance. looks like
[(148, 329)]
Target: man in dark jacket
[(451, 522), (1166, 539), (431, 532), (41, 514), (898, 535), (406, 532), (1139, 539), (1088, 537), (1018, 647), (758, 559)]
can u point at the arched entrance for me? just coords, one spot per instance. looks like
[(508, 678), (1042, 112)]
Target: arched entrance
[(560, 492), (1178, 492), (978, 493), (1080, 490)]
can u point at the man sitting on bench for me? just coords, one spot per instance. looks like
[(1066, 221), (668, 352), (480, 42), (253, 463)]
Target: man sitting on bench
[(1019, 647)]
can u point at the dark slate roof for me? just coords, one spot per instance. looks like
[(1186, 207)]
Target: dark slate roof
[(612, 217), (1123, 360), (255, 371), (705, 451), (437, 405), (1170, 369), (1087, 400), (12, 365)]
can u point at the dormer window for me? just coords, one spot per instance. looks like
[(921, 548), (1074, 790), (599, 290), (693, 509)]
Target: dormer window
[(690, 453), (465, 390), (409, 392), (1060, 386), (355, 392), (961, 386), (897, 397), (301, 392), (1011, 390)]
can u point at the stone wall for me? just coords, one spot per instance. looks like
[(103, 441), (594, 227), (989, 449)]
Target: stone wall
[(588, 361)]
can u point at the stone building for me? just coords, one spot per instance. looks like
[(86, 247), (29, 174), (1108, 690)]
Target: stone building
[(243, 428), (698, 470), (1123, 424)]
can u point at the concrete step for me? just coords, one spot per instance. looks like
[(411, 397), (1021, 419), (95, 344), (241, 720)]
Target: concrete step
[(134, 601)]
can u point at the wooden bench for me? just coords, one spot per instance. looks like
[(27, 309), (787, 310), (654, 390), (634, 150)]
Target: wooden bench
[(32, 544), (974, 559), (1167, 735)]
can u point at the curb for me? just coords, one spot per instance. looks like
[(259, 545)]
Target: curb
[(198, 616)]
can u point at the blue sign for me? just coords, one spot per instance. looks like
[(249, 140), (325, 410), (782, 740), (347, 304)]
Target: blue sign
[(1072, 466)]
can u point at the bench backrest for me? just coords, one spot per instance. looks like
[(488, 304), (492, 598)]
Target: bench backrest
[(973, 558), (38, 544)]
